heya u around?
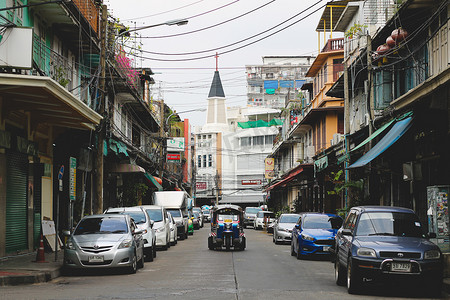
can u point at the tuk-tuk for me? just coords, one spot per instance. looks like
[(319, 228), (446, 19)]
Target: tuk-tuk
[(227, 228)]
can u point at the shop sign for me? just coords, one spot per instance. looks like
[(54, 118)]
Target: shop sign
[(175, 144), (200, 186), (172, 156), (252, 182), (321, 164)]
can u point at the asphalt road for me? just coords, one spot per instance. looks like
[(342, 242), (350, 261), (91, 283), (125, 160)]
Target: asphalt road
[(190, 271)]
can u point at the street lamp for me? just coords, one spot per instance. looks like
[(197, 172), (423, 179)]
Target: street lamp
[(177, 22)]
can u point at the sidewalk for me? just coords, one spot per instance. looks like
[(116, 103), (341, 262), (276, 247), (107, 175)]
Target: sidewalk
[(22, 270)]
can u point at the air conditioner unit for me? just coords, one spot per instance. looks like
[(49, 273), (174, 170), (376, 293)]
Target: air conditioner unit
[(337, 137), (310, 151)]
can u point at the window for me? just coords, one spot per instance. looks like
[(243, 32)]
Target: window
[(199, 163), (258, 140), (246, 142), (209, 136), (338, 68), (269, 139), (209, 160), (204, 161)]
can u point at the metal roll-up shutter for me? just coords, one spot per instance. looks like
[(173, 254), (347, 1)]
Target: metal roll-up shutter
[(16, 201), (37, 202)]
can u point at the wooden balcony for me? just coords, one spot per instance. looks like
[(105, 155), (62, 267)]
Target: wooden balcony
[(334, 45)]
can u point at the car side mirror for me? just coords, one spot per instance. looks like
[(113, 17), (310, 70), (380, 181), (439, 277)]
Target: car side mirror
[(347, 232), (297, 226), (66, 232), (431, 235), (152, 223), (138, 231)]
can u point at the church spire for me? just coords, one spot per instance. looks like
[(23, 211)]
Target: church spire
[(216, 87)]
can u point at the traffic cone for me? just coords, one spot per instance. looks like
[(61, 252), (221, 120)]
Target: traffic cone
[(40, 256)]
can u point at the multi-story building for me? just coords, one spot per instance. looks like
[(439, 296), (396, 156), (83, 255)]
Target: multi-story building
[(277, 80), (230, 151), (312, 125), (49, 71)]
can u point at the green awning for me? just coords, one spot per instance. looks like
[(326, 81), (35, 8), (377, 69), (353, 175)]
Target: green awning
[(117, 147), (260, 123), (374, 135), (153, 180)]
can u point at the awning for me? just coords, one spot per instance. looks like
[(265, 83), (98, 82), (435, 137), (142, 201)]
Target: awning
[(153, 180), (288, 178), (374, 135), (388, 140), (126, 168), (242, 198), (46, 101)]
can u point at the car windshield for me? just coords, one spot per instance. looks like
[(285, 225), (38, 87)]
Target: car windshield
[(155, 214), (321, 222), (175, 213), (206, 212), (289, 219), (252, 210), (101, 225), (389, 223), (265, 214), (196, 210), (138, 216), (227, 217)]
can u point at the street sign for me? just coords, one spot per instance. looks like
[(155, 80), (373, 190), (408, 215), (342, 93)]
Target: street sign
[(73, 179), (61, 172)]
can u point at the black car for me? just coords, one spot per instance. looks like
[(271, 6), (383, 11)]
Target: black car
[(379, 243)]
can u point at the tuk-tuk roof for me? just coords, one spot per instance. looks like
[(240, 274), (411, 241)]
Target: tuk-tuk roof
[(227, 206)]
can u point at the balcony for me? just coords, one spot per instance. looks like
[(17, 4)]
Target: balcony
[(90, 12), (334, 45), (51, 64)]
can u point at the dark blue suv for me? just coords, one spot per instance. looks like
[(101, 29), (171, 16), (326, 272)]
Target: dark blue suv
[(383, 242)]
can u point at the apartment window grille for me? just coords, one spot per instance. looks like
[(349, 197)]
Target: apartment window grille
[(210, 160), (204, 161), (199, 161)]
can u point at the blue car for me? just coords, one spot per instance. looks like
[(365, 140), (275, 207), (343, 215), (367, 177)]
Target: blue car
[(385, 244), (314, 234)]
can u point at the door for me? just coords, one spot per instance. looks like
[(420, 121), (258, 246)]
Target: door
[(16, 202)]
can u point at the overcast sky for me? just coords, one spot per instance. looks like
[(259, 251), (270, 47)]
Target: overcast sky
[(184, 83)]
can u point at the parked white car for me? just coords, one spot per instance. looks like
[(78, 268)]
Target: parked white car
[(144, 223), (263, 218), (162, 227), (173, 230)]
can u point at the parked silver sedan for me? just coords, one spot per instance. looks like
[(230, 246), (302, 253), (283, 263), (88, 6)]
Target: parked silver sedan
[(282, 230), (105, 241)]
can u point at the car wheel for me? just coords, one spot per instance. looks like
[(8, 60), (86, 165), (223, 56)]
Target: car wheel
[(149, 254), (133, 268), (433, 286), (354, 281), (299, 255), (245, 226), (210, 243), (140, 263), (339, 275), (154, 250), (292, 249)]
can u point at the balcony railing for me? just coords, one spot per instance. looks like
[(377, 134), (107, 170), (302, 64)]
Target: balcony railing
[(90, 12), (334, 45), (59, 68)]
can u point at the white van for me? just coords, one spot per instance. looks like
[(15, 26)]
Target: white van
[(175, 202)]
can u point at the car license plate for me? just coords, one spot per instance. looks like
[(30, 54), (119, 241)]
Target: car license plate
[(326, 248), (96, 259), (400, 267), (228, 220)]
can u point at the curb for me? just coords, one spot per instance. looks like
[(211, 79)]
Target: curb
[(28, 277)]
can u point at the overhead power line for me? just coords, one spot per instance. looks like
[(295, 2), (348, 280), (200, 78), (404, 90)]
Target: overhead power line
[(237, 48)]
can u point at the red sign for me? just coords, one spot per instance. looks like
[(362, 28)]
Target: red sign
[(173, 156), (200, 185), (251, 182)]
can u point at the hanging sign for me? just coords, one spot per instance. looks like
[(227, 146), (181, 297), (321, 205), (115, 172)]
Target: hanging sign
[(73, 179)]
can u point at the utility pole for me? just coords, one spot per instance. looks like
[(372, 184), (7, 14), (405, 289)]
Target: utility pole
[(161, 135), (101, 132)]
